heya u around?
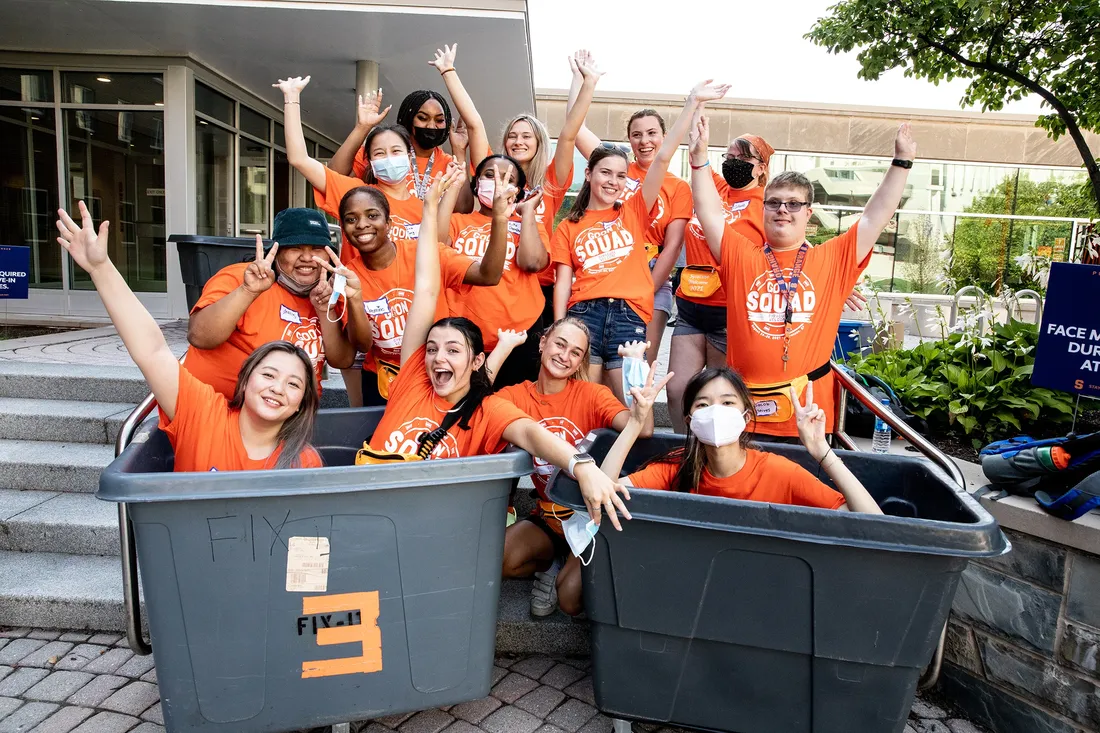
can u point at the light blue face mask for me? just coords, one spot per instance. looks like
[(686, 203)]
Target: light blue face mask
[(392, 169), (339, 289), (635, 374), (580, 532)]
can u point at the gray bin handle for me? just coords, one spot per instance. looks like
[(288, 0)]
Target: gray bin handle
[(849, 385)]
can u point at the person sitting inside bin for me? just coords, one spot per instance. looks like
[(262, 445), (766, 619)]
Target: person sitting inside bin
[(718, 459), (441, 403), (275, 297), (267, 423)]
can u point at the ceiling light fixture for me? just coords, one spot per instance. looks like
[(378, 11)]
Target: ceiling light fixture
[(104, 79)]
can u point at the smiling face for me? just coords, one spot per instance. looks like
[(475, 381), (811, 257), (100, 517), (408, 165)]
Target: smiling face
[(296, 262), (275, 388), (719, 391), (365, 224), (645, 136), (521, 142), (607, 179), (785, 229), (450, 361), (385, 144), (564, 351), (430, 114)]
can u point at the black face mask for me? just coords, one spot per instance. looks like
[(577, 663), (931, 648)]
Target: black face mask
[(738, 173), (430, 137)]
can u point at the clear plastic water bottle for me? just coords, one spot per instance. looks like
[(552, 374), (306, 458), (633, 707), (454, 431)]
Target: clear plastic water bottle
[(880, 442)]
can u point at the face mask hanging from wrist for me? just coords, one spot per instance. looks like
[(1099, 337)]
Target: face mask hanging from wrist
[(339, 288), (717, 425), (635, 374), (391, 169), (737, 173), (580, 532), (430, 137)]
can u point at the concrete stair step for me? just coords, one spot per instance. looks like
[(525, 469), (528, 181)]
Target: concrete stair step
[(65, 420), (28, 380), (49, 521), (52, 466), (61, 591)]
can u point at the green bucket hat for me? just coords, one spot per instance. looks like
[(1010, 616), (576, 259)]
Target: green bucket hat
[(301, 227)]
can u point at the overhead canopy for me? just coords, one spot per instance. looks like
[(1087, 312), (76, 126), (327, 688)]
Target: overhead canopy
[(255, 42)]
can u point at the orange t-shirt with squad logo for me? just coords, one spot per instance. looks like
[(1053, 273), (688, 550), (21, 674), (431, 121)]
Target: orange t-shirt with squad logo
[(387, 297), (764, 477), (206, 433), (606, 250), (405, 214), (569, 414), (516, 301), (744, 212), (275, 315), (673, 202), (755, 314), (415, 408), (438, 159), (553, 196)]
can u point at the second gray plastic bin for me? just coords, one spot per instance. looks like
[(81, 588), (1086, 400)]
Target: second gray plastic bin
[(245, 637)]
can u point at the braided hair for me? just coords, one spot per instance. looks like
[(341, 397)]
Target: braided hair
[(412, 103)]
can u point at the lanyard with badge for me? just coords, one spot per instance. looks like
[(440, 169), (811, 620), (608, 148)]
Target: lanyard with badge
[(420, 182), (788, 288)]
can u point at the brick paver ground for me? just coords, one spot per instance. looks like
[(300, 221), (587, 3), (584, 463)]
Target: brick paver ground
[(95, 684)]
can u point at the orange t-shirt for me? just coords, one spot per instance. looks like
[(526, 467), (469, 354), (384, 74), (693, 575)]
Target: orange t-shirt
[(569, 414), (414, 408), (439, 160), (553, 196), (764, 477), (744, 214), (606, 250), (516, 301), (405, 214), (206, 433), (276, 315), (755, 313), (387, 297), (673, 201)]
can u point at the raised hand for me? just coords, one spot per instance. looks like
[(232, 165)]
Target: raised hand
[(811, 423), (445, 58), (321, 292), (645, 397), (530, 204), (636, 349), (259, 276), (586, 65), (441, 184), (601, 493), (292, 87), (352, 288), (705, 91), (511, 339), (855, 301), (87, 247), (699, 141), (504, 194), (905, 147), (367, 114)]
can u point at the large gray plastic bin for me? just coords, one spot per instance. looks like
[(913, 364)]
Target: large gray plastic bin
[(230, 641), (744, 616)]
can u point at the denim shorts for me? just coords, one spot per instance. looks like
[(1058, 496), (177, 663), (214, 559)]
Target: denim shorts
[(611, 323), (709, 320)]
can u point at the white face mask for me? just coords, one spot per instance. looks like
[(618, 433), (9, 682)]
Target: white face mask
[(718, 425), (486, 187), (580, 532), (339, 287)]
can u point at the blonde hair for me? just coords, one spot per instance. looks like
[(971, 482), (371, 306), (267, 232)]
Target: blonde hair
[(536, 167), (581, 374)]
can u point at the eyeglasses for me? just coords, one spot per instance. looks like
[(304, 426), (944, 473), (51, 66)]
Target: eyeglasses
[(744, 158), (792, 206)]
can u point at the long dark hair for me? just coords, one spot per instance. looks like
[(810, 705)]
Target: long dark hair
[(401, 132), (295, 433), (692, 458), (412, 103), (480, 387), (521, 177), (580, 204)]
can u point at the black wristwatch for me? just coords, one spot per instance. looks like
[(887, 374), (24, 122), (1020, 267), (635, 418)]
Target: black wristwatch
[(907, 164)]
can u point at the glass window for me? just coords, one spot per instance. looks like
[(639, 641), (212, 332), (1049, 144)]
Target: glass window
[(280, 182), (280, 135), (253, 187), (28, 189), (255, 124), (214, 104), (26, 85), (920, 249), (214, 173), (324, 153), (109, 87), (116, 166)]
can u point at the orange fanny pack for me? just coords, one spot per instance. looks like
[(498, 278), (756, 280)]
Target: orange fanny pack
[(386, 372), (699, 281), (772, 402), (651, 251), (367, 456)]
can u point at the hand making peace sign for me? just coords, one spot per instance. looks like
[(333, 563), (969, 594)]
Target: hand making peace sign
[(259, 276)]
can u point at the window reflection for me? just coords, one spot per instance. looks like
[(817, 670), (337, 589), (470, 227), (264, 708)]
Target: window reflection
[(28, 189)]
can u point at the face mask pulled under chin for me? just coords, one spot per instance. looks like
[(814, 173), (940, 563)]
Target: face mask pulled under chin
[(737, 173), (293, 286), (391, 169), (717, 425)]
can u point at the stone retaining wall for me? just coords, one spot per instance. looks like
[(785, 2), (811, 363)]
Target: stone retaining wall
[(1023, 641)]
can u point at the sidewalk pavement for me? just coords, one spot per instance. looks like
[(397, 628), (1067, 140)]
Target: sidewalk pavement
[(76, 682)]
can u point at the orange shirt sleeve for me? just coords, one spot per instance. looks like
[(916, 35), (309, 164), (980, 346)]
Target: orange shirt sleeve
[(637, 208), (200, 411), (720, 183), (604, 406), (310, 458), (497, 414), (658, 476), (452, 267), (359, 165), (732, 244), (845, 251), (224, 282), (455, 228), (681, 204), (804, 489), (336, 186), (561, 245)]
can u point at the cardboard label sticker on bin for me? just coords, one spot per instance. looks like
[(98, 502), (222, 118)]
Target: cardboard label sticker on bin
[(366, 632), (307, 565)]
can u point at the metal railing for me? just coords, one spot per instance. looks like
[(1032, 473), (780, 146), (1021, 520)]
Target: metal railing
[(849, 385)]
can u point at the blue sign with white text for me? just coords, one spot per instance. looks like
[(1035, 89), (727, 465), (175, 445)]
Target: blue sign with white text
[(15, 269), (1068, 355)]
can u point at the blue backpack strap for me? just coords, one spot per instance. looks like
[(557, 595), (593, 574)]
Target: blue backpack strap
[(1071, 505)]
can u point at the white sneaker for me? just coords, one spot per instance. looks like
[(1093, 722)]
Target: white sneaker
[(544, 591)]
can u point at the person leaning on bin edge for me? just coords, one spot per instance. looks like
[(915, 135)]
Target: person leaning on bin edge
[(277, 297)]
